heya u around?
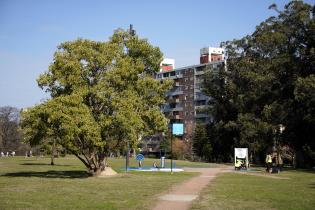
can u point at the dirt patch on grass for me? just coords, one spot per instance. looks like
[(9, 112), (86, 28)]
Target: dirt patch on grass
[(108, 172)]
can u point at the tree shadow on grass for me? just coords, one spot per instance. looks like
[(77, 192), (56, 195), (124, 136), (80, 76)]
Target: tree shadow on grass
[(42, 164), (50, 174)]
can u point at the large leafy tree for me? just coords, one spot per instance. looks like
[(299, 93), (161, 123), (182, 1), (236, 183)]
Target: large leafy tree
[(103, 95), (269, 80)]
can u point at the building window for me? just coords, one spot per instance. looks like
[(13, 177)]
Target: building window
[(199, 69), (200, 103), (173, 73), (201, 112), (201, 120)]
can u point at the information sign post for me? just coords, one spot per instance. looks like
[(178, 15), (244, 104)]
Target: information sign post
[(177, 130), (241, 154)]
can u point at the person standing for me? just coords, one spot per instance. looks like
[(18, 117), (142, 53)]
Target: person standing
[(279, 162), (268, 163)]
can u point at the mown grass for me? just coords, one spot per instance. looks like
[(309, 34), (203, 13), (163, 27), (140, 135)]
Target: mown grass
[(32, 183), (240, 191)]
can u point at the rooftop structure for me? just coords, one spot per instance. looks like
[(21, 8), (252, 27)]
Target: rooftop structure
[(167, 64), (210, 54)]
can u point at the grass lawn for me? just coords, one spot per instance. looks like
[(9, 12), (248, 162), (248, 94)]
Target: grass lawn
[(30, 183), (240, 191)]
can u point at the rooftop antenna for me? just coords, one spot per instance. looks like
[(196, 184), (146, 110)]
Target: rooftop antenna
[(131, 30)]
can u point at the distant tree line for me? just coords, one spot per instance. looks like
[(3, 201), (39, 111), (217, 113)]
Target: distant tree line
[(10, 134), (267, 84)]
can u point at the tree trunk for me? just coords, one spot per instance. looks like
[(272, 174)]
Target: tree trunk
[(53, 146), (93, 169), (99, 167)]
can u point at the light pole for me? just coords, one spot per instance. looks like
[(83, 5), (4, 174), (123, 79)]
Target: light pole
[(172, 151), (127, 156), (132, 32), (178, 130)]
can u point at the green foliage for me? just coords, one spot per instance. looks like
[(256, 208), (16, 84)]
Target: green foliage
[(180, 149), (10, 134), (201, 142), (269, 80), (103, 95)]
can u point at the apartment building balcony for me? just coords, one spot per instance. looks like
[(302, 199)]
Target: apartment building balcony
[(175, 109), (177, 117), (176, 76), (201, 97), (179, 108), (197, 107), (172, 100), (199, 72), (169, 108), (174, 93)]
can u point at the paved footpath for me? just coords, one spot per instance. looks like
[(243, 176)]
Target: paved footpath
[(180, 197)]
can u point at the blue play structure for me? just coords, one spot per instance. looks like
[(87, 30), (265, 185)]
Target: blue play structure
[(147, 168)]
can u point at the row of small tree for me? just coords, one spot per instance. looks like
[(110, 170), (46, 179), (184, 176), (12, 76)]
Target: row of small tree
[(268, 83)]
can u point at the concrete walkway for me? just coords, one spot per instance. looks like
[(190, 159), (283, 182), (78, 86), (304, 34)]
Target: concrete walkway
[(181, 196)]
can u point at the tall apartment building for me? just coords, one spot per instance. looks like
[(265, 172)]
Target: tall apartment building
[(185, 102)]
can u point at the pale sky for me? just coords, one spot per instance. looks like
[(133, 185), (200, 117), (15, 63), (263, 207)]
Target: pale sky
[(30, 31)]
